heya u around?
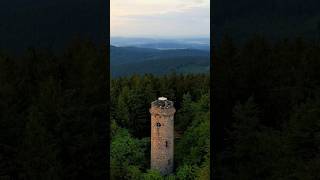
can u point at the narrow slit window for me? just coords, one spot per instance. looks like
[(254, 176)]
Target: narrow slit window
[(169, 162), (166, 143)]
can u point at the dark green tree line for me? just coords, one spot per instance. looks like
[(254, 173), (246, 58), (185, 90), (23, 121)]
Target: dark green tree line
[(266, 109), (53, 112), (130, 139)]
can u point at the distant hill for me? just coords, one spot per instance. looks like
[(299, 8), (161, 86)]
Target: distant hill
[(201, 43), (132, 60)]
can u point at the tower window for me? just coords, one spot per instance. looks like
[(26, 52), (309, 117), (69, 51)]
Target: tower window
[(166, 143), (169, 162), (158, 125)]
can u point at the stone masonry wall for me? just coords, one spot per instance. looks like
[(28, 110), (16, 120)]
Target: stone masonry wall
[(162, 139)]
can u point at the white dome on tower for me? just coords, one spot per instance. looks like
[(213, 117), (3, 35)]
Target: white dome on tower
[(162, 98)]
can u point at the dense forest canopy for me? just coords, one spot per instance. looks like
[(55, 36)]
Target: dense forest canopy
[(53, 114), (266, 109), (131, 99), (127, 61)]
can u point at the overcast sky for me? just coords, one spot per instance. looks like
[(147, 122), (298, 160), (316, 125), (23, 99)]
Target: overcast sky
[(160, 18)]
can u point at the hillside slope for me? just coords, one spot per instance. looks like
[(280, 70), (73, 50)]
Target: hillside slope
[(131, 60)]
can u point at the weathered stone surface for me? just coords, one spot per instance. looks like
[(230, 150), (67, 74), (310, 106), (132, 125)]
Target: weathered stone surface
[(162, 136)]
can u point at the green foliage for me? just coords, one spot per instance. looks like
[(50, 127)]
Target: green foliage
[(39, 160), (246, 118), (170, 177), (122, 111), (134, 173), (204, 171), (130, 144), (131, 97), (113, 128), (195, 137), (125, 152), (52, 113), (185, 115), (127, 61), (251, 142), (301, 143), (186, 172), (275, 134), (152, 175)]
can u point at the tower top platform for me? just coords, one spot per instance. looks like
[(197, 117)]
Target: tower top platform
[(162, 103), (162, 98)]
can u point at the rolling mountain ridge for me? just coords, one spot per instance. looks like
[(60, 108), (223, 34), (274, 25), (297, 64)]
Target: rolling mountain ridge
[(133, 60)]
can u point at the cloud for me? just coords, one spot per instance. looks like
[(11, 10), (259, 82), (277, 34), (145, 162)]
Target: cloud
[(134, 7), (160, 17), (195, 13)]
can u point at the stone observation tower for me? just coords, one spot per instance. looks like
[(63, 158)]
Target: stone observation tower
[(162, 135)]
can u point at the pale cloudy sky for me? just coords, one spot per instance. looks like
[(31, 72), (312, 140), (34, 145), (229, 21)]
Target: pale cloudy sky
[(160, 18)]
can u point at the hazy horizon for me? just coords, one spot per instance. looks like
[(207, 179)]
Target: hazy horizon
[(159, 19), (163, 37)]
